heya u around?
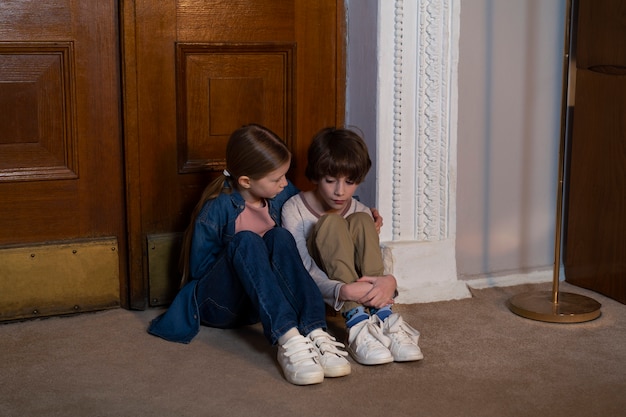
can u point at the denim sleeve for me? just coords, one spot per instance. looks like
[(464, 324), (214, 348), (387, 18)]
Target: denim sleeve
[(289, 191), (181, 322), (207, 239)]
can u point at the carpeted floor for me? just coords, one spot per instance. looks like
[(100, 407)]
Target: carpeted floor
[(481, 360)]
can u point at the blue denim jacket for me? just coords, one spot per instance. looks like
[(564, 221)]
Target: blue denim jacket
[(213, 230)]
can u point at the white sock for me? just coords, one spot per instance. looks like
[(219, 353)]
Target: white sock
[(290, 333)]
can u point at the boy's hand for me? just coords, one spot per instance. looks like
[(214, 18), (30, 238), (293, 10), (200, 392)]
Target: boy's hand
[(354, 291), (381, 292), (378, 219)]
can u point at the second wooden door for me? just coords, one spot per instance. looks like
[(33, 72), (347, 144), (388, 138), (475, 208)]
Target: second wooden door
[(193, 71)]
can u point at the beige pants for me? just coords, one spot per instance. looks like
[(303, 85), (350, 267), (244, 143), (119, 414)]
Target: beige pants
[(346, 249)]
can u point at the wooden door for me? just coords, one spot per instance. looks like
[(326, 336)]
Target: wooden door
[(193, 72), (62, 214), (595, 245)]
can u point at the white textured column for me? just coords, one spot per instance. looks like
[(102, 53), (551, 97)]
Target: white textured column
[(416, 145)]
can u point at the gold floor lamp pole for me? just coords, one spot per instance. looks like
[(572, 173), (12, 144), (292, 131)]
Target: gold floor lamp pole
[(554, 306)]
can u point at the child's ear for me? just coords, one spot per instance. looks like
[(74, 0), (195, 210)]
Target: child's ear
[(244, 181)]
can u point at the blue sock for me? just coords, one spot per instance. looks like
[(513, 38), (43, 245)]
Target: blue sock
[(382, 313), (354, 316)]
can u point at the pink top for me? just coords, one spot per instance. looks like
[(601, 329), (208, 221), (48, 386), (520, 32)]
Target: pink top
[(255, 219)]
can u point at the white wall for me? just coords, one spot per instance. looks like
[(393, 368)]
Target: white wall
[(402, 91), (504, 131), (510, 68)]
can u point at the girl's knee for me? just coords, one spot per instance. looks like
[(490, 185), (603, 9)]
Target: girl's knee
[(278, 235), (245, 236), (278, 232), (246, 239)]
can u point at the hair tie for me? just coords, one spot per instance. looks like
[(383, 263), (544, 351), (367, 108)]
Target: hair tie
[(226, 173)]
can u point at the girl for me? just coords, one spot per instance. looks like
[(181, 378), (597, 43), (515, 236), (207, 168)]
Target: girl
[(240, 267)]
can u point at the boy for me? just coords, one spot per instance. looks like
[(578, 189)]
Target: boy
[(338, 243)]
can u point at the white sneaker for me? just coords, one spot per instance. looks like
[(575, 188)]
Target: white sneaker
[(331, 357), (368, 345), (403, 337), (299, 361)]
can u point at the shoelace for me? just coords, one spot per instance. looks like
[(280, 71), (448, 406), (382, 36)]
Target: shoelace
[(401, 332), (373, 334), (300, 349), (327, 344)]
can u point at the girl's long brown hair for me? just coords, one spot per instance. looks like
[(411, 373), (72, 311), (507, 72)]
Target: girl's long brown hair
[(253, 151)]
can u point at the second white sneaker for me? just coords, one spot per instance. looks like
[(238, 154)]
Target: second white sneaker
[(368, 345), (331, 357), (403, 338), (299, 361)]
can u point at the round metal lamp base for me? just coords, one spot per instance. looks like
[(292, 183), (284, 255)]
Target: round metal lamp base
[(570, 308)]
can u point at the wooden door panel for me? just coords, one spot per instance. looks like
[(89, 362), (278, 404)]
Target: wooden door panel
[(595, 247), (36, 114), (61, 182), (195, 71), (595, 255), (223, 85)]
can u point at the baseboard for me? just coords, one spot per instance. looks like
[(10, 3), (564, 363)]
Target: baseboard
[(429, 293), (533, 277), (425, 271)]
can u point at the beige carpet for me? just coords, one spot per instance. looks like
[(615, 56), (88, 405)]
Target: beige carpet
[(480, 360)]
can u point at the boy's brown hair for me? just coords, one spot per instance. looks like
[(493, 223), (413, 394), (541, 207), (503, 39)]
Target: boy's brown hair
[(337, 152)]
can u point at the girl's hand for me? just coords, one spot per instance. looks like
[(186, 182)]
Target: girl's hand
[(378, 220)]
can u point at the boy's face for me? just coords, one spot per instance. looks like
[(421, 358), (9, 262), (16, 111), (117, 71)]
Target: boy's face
[(334, 193)]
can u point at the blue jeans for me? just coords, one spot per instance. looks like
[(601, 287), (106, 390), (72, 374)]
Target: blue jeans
[(261, 279)]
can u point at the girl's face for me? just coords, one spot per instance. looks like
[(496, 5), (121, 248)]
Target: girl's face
[(335, 193), (266, 187)]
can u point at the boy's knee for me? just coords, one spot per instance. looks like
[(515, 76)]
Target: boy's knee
[(361, 221), (360, 217), (331, 220)]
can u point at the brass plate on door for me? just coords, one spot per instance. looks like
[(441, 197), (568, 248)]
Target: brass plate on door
[(163, 275), (59, 278)]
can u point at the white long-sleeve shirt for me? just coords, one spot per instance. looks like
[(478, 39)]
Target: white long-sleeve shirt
[(299, 218)]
